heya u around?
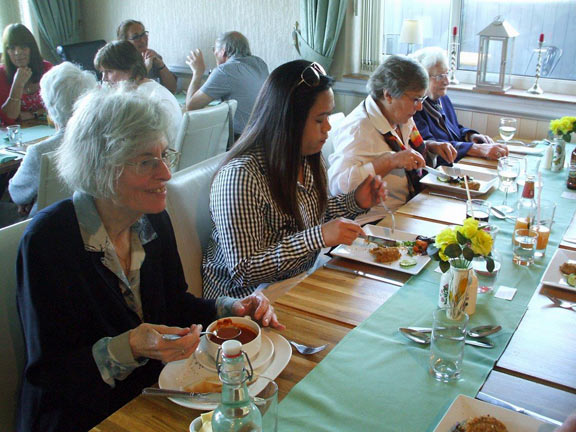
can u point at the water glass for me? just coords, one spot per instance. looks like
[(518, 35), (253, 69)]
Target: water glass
[(267, 402), (507, 128), (544, 226), (478, 209), (14, 135), (447, 345), (524, 246)]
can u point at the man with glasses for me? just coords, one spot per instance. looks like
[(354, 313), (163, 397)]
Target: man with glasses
[(134, 32), (437, 120), (379, 136), (239, 75)]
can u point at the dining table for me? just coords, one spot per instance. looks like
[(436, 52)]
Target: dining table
[(371, 378), (32, 131)]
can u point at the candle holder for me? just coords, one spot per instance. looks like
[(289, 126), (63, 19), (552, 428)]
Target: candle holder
[(453, 51), (536, 89)]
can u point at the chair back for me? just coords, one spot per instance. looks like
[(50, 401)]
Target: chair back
[(188, 205), (12, 350), (328, 147), (205, 133), (50, 186), (81, 53)]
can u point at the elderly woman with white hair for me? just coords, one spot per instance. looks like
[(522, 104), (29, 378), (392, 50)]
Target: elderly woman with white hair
[(99, 276), (60, 87), (379, 136), (437, 120)]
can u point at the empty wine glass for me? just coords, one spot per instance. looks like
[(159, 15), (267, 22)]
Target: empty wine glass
[(508, 171), (507, 128)]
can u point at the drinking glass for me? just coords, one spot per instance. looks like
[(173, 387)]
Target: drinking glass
[(507, 128), (14, 135), (267, 403), (447, 345), (524, 246), (478, 209), (508, 171), (543, 226)]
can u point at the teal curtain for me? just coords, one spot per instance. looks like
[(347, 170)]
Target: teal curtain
[(321, 22), (58, 21)]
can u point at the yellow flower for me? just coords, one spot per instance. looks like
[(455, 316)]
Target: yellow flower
[(482, 243), (563, 126), (469, 228), (446, 237)]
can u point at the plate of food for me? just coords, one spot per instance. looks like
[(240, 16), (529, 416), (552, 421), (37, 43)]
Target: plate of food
[(190, 375), (471, 415), (403, 251), (561, 271), (478, 182)]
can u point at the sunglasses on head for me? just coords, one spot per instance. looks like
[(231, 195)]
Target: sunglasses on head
[(311, 75)]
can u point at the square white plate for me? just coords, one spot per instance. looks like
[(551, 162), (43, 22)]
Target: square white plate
[(465, 407), (487, 181), (553, 276), (360, 250)]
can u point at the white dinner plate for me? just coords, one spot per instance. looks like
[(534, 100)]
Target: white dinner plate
[(553, 276), (180, 374), (262, 358), (465, 407), (519, 147), (360, 250), (487, 181)]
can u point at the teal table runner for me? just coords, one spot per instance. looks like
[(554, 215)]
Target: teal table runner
[(377, 380)]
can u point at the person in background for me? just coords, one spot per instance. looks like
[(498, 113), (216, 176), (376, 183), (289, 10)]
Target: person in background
[(239, 75), (60, 87), (134, 32), (120, 61), (437, 120), (99, 276), (269, 201), (20, 75), (379, 136)]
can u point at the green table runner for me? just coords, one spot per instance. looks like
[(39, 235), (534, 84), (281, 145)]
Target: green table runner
[(376, 380)]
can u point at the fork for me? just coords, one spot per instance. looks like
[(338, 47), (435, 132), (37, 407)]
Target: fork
[(390, 212), (562, 303), (307, 350)]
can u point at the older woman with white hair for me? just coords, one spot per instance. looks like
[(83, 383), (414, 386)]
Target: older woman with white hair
[(379, 136), (99, 277), (437, 120), (60, 87)]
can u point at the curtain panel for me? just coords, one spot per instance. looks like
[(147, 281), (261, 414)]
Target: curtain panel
[(58, 21), (321, 23)]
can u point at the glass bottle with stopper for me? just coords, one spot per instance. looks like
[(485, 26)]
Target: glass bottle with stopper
[(526, 205), (236, 411)]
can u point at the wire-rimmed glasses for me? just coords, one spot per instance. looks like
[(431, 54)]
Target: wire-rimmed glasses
[(139, 36), (146, 167)]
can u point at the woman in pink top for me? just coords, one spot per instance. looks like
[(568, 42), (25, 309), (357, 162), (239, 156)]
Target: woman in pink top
[(20, 75)]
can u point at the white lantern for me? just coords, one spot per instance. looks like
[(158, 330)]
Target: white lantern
[(495, 56)]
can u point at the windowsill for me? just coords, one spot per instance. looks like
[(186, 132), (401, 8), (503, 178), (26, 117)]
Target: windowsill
[(514, 102)]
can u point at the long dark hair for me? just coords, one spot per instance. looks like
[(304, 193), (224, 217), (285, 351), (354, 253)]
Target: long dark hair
[(276, 126), (123, 56), (18, 34)]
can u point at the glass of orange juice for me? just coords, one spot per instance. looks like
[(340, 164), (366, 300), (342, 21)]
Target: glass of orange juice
[(543, 226)]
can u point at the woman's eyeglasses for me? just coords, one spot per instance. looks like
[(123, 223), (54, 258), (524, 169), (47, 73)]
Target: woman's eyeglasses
[(439, 77), (311, 75), (139, 36), (148, 166)]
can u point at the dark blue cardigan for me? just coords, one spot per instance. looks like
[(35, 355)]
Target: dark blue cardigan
[(430, 130), (68, 300)]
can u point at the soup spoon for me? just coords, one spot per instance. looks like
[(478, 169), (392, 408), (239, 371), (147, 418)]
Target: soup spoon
[(224, 333)]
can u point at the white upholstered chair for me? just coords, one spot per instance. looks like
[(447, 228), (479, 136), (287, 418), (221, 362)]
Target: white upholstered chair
[(12, 351), (188, 205), (50, 187), (328, 147), (205, 133)]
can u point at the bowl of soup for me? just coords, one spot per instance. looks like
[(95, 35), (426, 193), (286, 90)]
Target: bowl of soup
[(249, 335)]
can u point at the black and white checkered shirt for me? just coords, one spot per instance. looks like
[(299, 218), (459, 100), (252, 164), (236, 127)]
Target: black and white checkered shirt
[(253, 241)]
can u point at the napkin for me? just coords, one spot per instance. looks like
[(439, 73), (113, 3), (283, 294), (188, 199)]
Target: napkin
[(7, 157)]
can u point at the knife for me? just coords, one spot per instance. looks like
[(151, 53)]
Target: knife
[(447, 196), (424, 338), (499, 402), (202, 397), (380, 241), (436, 172), (363, 274)]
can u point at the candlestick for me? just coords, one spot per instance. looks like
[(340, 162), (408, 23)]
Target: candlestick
[(453, 52), (536, 89)]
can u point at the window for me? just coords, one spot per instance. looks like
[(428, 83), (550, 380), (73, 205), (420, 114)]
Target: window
[(528, 17)]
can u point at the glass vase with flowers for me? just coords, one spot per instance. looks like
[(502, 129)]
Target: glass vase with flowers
[(455, 249), (562, 130)]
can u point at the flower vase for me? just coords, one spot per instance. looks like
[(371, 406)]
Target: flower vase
[(558, 154), (452, 281)]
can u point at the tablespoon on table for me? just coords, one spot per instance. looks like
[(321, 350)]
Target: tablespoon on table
[(562, 303), (475, 332), (306, 349), (424, 338)]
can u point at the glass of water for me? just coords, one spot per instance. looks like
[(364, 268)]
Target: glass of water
[(508, 171), (524, 246), (447, 345), (14, 135), (507, 128)]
